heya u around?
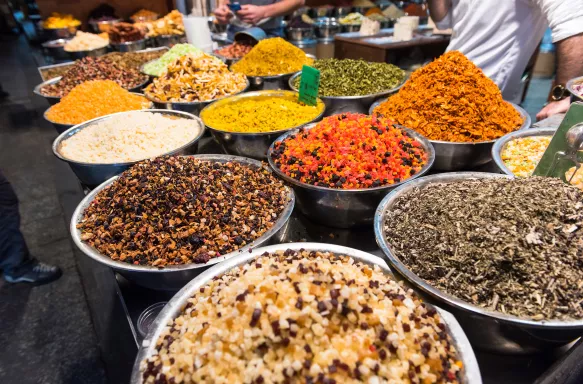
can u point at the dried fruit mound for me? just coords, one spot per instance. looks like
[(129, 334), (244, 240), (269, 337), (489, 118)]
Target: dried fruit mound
[(451, 99)]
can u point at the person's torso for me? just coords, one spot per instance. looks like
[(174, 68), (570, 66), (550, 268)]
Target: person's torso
[(499, 36), (274, 22)]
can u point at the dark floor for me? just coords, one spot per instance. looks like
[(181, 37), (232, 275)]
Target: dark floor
[(46, 334)]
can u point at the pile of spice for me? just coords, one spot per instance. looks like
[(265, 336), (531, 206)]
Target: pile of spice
[(508, 245), (349, 77), (59, 20), (451, 99), (144, 15), (171, 24), (134, 59), (84, 41), (310, 317), (128, 137), (521, 155), (124, 33), (93, 99), (350, 151), (194, 79), (234, 51), (180, 210), (158, 67), (267, 113), (94, 68), (272, 57)]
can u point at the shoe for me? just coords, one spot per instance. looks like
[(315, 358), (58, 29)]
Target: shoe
[(35, 273)]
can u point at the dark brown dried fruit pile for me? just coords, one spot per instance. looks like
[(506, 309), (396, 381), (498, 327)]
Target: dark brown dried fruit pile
[(514, 246), (180, 210)]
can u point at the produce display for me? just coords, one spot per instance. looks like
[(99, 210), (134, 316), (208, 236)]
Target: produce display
[(58, 21), (134, 59), (158, 67), (84, 41), (521, 155), (349, 77), (315, 317), (128, 137), (144, 15), (171, 24), (350, 151), (234, 51), (354, 18), (124, 33), (261, 114), (507, 245), (452, 100), (93, 99), (195, 79), (272, 57), (180, 210), (94, 68)]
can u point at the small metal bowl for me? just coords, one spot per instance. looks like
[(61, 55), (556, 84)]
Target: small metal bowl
[(501, 143), (452, 156), (299, 34), (343, 208), (275, 82), (51, 99), (356, 104), (93, 174), (103, 25), (326, 28), (575, 96), (193, 107), (471, 370), (253, 145), (56, 49), (130, 46), (175, 277), (75, 55), (350, 27), (486, 329), (169, 40)]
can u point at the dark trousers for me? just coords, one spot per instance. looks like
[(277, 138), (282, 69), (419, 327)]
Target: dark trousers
[(13, 249)]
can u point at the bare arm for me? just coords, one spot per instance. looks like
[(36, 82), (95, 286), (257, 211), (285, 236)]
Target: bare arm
[(438, 9), (254, 13), (569, 54)]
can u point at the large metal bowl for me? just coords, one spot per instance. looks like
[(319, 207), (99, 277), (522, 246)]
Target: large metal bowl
[(575, 96), (102, 25), (130, 46), (501, 143), (75, 55), (93, 174), (299, 34), (343, 208), (326, 28), (169, 40), (350, 27), (176, 276), (174, 308), (356, 104), (450, 156), (194, 107), (56, 49), (259, 83), (46, 70), (254, 145), (486, 329)]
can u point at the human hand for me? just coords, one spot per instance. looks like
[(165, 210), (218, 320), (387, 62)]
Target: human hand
[(251, 14), (223, 14), (554, 107)]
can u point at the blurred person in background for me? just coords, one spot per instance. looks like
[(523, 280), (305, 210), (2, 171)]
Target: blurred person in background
[(500, 36)]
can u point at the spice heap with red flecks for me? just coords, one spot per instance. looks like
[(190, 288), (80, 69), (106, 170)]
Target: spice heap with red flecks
[(350, 151)]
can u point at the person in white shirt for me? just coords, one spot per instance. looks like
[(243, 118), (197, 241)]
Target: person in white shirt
[(500, 36)]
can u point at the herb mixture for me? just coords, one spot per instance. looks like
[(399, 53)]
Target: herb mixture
[(181, 210), (510, 245), (304, 317)]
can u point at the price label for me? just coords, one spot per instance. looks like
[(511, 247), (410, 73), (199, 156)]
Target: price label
[(309, 84)]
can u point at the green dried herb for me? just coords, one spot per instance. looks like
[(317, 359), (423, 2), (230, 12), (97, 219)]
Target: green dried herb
[(513, 246), (355, 77)]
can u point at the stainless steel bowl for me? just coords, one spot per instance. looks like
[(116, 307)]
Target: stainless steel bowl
[(56, 49), (343, 208), (299, 34), (58, 33), (51, 99), (356, 104), (175, 277), (169, 40), (45, 70), (102, 26), (326, 28), (174, 308), (74, 55), (130, 46), (501, 143), (575, 96), (253, 145), (140, 86), (193, 107), (450, 156), (275, 82), (350, 27), (93, 174), (486, 329)]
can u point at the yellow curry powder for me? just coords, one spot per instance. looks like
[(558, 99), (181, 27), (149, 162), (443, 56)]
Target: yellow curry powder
[(93, 99), (261, 114), (272, 57)]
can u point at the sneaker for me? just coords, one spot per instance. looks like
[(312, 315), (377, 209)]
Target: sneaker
[(35, 273)]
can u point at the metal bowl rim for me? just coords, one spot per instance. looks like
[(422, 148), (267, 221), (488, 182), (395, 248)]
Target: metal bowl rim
[(65, 135), (275, 77), (501, 142), (248, 84), (372, 95), (256, 94), (135, 42), (436, 293), (64, 40), (525, 125), (174, 306), (37, 89), (120, 265), (427, 146)]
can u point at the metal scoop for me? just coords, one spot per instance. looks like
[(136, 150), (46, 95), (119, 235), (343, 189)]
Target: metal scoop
[(574, 138)]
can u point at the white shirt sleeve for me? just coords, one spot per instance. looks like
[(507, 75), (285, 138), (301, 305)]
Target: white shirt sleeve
[(446, 22), (565, 17)]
